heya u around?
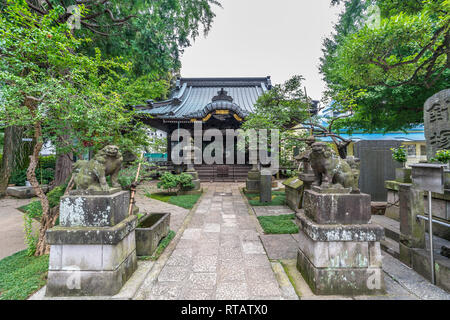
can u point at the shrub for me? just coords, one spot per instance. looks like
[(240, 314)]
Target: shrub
[(168, 182), (442, 156), (185, 181), (171, 182), (45, 172), (18, 177), (47, 162), (399, 154), (126, 177)]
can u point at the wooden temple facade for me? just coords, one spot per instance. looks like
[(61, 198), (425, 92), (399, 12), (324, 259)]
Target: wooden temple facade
[(220, 103)]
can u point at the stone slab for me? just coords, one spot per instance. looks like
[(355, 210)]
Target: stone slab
[(94, 210), (91, 257), (91, 235), (341, 281), (66, 283), (23, 192), (330, 232), (348, 254), (279, 246), (331, 208)]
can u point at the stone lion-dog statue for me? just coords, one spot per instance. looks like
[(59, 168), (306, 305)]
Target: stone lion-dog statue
[(91, 175), (330, 170)]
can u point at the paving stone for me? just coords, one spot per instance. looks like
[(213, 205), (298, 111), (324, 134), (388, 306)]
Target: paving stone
[(256, 260), (260, 275), (264, 288), (248, 235), (202, 280), (174, 273), (204, 264), (211, 227), (191, 234), (253, 247), (227, 274), (165, 291), (280, 246), (197, 294), (227, 253), (231, 291)]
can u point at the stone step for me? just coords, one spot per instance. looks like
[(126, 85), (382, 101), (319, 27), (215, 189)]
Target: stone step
[(391, 226), (390, 246)]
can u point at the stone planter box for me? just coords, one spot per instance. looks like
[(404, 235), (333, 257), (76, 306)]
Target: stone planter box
[(403, 175), (149, 232)]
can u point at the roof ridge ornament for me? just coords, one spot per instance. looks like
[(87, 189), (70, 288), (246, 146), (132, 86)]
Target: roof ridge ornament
[(222, 95)]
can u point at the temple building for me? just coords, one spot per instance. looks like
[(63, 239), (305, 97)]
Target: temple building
[(220, 103)]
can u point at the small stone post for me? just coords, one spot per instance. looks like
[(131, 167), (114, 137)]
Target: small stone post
[(412, 230)]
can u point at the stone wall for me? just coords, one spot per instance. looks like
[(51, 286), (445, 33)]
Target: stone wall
[(440, 208)]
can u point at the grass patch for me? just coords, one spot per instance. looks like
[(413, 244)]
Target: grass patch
[(184, 201), (22, 275), (278, 199), (161, 247), (282, 224)]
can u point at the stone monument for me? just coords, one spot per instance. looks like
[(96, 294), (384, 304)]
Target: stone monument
[(437, 122), (339, 249), (254, 175), (93, 250)]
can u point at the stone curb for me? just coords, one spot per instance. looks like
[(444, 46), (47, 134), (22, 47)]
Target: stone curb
[(251, 211)]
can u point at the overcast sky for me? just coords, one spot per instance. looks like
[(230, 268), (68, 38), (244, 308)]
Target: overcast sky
[(257, 38)]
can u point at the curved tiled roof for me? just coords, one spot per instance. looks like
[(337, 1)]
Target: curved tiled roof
[(193, 97)]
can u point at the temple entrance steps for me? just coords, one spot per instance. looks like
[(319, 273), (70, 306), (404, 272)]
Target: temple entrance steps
[(223, 173)]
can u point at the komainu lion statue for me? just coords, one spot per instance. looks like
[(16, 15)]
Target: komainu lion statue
[(91, 175), (329, 169)]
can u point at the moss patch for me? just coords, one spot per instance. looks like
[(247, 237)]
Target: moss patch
[(161, 247), (282, 224), (22, 275), (278, 199), (184, 201)]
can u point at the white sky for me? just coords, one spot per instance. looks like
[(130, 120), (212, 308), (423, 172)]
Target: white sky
[(257, 38)]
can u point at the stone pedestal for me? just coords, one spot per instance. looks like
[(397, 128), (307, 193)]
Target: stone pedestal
[(253, 181), (339, 250), (294, 191), (412, 230), (195, 180), (93, 251)]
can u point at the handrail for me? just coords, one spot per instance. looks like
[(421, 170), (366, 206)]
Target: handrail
[(434, 221)]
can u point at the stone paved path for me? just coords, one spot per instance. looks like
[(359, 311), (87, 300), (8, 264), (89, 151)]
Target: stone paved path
[(219, 255), (148, 205), (11, 226)]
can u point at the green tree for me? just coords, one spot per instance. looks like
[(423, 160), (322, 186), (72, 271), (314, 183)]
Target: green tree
[(392, 65), (286, 108), (49, 88)]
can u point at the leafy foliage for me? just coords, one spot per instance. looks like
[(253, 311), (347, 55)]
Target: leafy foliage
[(22, 275), (389, 68), (278, 199), (282, 224), (442, 156), (171, 182), (184, 201), (399, 154)]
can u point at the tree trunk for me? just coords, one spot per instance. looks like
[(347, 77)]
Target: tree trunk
[(15, 154), (342, 150), (63, 169), (47, 220)]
